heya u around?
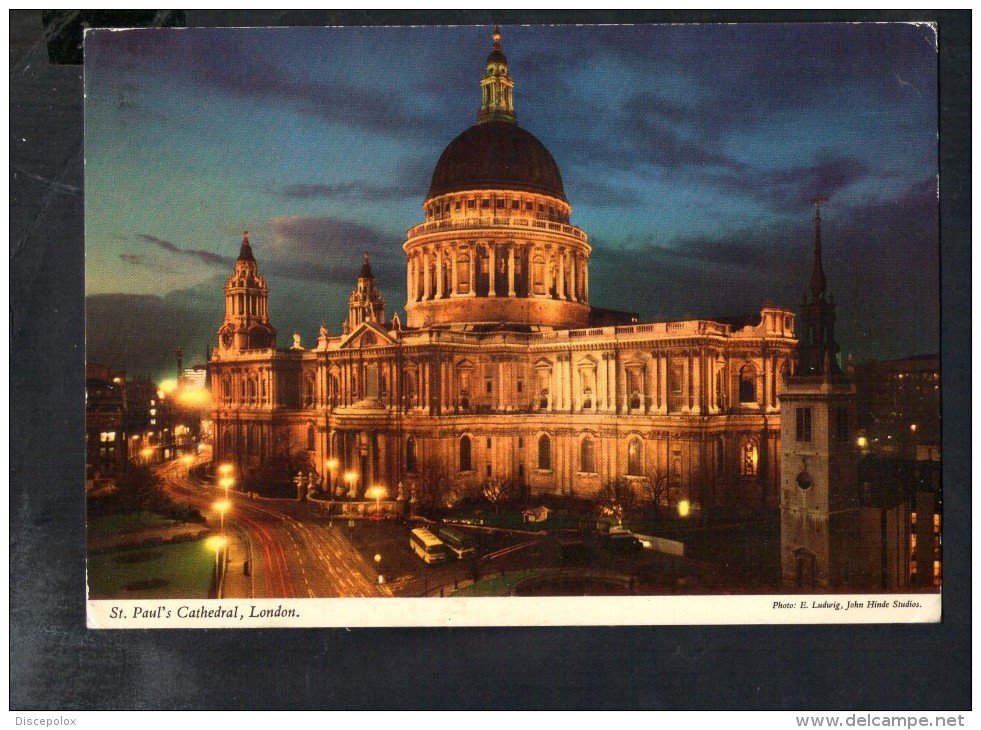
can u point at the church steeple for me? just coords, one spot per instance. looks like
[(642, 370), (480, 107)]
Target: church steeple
[(817, 351), (496, 87), (246, 325), (365, 302), (819, 283)]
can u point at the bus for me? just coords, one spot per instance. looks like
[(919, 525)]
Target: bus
[(427, 546), (459, 543)]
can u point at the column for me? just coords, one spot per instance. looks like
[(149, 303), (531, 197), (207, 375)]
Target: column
[(585, 281), (492, 267), (567, 381), (554, 397), (439, 273), (602, 402), (622, 395), (573, 290), (698, 381), (500, 386), (408, 280), (645, 380), (454, 288), (511, 271), (560, 265), (427, 278), (549, 263), (473, 270)]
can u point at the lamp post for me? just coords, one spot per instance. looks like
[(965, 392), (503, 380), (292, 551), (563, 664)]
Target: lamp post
[(350, 477), (331, 471), (376, 492), (218, 544), (146, 454), (222, 506), (188, 460)]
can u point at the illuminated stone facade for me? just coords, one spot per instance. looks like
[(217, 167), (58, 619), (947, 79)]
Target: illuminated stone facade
[(502, 369)]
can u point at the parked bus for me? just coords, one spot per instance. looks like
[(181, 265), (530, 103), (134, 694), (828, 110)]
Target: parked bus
[(459, 543), (427, 546)]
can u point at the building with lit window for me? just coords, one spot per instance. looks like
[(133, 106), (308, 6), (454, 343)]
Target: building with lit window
[(502, 369)]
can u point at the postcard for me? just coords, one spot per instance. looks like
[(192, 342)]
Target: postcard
[(512, 325)]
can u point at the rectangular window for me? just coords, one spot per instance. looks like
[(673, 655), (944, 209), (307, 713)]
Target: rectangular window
[(521, 442), (488, 443), (485, 203), (490, 386), (471, 204), (804, 424), (515, 204)]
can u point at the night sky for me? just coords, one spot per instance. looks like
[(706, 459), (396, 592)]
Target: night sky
[(690, 155)]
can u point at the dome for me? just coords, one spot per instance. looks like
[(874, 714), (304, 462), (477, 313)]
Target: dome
[(496, 156)]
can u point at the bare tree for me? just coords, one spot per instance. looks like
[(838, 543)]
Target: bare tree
[(656, 488), (433, 485), (617, 499), (289, 455), (140, 490), (497, 491)]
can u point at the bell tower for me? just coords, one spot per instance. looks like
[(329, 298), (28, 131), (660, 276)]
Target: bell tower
[(246, 325), (366, 302), (820, 520)]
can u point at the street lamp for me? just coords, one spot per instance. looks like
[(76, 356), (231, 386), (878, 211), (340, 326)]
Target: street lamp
[(226, 483), (376, 492), (350, 477), (222, 505), (217, 543), (331, 466), (147, 453), (684, 508)]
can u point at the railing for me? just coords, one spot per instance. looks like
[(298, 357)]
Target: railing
[(476, 223)]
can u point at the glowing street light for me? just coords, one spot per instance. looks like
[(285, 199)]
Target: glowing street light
[(376, 492), (331, 466), (217, 543), (226, 483), (684, 508), (146, 454), (350, 477), (222, 505)]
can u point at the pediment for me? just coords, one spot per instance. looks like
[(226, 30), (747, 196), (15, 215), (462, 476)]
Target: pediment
[(367, 335)]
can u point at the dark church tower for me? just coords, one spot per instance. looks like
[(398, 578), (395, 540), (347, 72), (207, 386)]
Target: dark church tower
[(817, 351), (246, 325), (821, 523)]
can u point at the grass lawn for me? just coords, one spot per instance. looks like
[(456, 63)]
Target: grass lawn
[(181, 570), (126, 522), (498, 586)]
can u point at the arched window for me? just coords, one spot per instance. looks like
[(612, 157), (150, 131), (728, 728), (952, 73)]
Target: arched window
[(410, 454), (226, 388), (634, 457), (466, 454), (587, 456), (749, 459), (747, 384), (311, 437), (308, 391), (544, 452)]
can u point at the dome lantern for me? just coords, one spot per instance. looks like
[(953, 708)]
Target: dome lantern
[(496, 87)]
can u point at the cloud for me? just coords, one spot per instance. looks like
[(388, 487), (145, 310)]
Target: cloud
[(329, 249), (207, 257), (353, 190)]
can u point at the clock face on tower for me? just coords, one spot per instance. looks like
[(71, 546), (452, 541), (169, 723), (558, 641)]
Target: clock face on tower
[(227, 339)]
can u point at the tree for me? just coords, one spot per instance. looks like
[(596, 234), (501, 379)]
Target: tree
[(288, 456), (617, 498), (497, 491), (433, 484), (656, 488), (140, 490)]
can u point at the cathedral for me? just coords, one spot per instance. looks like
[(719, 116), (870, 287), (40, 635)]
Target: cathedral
[(501, 369)]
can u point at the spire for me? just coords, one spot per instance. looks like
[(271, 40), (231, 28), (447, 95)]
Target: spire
[(246, 253), (819, 284), (366, 268), (496, 87)]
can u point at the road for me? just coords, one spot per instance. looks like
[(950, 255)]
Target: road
[(292, 550)]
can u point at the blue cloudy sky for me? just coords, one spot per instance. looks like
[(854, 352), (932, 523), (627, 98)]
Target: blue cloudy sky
[(689, 153)]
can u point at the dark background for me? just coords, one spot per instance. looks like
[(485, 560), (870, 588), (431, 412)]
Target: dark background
[(57, 664)]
